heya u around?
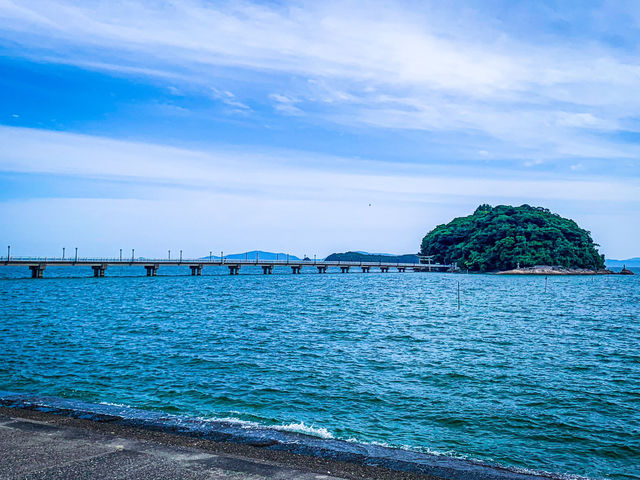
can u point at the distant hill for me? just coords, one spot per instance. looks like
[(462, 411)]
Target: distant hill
[(629, 262), (371, 257), (262, 255), (505, 237)]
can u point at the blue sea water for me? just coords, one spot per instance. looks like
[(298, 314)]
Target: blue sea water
[(517, 376)]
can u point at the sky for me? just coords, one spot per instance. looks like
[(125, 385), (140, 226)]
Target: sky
[(311, 127)]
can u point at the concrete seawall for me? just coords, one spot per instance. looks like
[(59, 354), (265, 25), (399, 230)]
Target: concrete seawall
[(42, 445)]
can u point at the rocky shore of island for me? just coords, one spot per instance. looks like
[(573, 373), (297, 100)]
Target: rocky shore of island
[(557, 270)]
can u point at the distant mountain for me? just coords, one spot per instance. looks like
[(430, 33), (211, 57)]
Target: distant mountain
[(629, 262), (371, 257), (262, 255)]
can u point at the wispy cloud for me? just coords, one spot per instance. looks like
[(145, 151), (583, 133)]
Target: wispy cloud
[(272, 172), (285, 104), (165, 190), (230, 100), (474, 101), (366, 64)]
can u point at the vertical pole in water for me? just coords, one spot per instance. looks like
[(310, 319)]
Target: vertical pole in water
[(545, 284), (458, 295)]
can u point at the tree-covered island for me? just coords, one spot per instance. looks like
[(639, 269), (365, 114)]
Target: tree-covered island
[(505, 237)]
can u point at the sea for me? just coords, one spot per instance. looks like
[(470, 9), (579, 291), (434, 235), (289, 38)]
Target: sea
[(529, 373)]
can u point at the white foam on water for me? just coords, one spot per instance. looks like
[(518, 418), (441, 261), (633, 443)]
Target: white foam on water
[(321, 432), (306, 429), (300, 427), (231, 420), (115, 404)]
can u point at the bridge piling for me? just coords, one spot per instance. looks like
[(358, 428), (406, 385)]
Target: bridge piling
[(152, 270), (98, 270), (365, 269), (267, 269), (384, 269), (295, 269), (344, 269), (322, 269), (36, 270), (234, 269), (196, 270)]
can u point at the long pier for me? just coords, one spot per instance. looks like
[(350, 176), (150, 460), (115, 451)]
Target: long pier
[(37, 265)]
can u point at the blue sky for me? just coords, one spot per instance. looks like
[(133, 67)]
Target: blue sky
[(311, 127)]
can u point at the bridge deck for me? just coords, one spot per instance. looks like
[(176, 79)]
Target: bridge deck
[(38, 264)]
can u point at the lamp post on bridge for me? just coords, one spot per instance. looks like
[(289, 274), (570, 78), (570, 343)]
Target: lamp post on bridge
[(8, 252), (120, 254), (76, 257), (180, 256), (133, 254), (63, 249), (221, 256), (210, 256), (169, 255)]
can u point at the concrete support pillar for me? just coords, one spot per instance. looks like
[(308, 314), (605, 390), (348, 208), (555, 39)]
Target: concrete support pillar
[(365, 269), (322, 269), (384, 269), (36, 270), (295, 269), (344, 269), (267, 269), (196, 270), (234, 269), (152, 270), (98, 270), (401, 269)]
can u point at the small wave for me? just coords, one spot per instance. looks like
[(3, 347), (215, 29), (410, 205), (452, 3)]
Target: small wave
[(114, 404), (323, 443), (291, 427), (306, 429)]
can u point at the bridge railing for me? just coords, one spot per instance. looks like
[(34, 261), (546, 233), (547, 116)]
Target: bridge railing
[(212, 261)]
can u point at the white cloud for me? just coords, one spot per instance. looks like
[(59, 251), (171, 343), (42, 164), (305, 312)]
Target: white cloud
[(375, 64), (285, 104), (257, 173), (288, 200), (229, 99)]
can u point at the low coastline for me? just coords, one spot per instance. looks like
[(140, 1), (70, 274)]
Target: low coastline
[(337, 457)]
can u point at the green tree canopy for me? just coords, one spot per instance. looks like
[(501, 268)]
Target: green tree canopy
[(503, 237)]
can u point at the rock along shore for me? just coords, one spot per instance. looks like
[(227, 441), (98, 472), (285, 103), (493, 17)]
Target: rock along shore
[(549, 270)]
